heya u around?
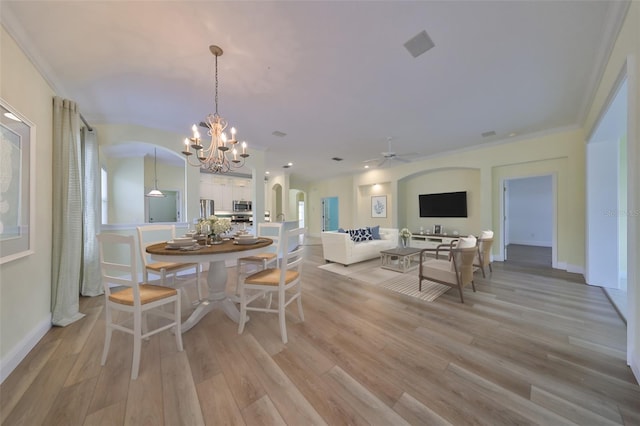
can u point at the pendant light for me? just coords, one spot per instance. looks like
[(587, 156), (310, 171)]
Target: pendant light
[(155, 192)]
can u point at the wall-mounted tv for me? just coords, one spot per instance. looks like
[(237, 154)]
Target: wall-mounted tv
[(445, 204)]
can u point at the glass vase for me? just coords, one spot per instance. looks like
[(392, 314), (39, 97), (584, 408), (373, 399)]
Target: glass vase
[(216, 239)]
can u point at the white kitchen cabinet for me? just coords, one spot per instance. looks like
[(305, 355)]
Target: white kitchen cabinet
[(223, 190)]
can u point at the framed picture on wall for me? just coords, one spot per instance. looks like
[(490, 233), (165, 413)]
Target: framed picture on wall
[(437, 229), (379, 206), (17, 184)]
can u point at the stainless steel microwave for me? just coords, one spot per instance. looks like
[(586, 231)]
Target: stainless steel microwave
[(241, 206)]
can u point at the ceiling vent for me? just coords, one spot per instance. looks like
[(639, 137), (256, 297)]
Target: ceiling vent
[(419, 44), (487, 134), (336, 159), (279, 134)]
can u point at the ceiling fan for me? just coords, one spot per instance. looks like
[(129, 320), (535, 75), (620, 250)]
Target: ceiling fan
[(390, 155)]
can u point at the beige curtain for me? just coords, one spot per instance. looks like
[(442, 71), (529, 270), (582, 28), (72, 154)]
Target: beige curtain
[(91, 280), (66, 256)]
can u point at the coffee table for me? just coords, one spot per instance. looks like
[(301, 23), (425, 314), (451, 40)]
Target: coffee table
[(400, 259)]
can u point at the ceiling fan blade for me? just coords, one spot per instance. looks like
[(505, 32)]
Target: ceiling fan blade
[(380, 164), (402, 160), (371, 160)]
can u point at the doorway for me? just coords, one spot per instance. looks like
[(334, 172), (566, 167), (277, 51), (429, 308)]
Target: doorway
[(330, 214), (607, 207), (529, 221)]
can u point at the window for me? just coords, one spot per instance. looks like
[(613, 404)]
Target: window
[(104, 195)]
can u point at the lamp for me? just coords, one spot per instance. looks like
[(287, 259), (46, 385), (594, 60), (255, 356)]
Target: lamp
[(155, 192), (222, 155)]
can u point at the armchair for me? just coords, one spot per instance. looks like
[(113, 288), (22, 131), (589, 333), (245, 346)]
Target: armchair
[(456, 272), (483, 257)]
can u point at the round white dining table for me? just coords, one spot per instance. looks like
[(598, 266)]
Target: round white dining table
[(215, 255)]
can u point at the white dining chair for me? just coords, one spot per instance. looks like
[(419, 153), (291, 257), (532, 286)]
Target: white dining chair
[(135, 300), (167, 271), (285, 281), (264, 259)]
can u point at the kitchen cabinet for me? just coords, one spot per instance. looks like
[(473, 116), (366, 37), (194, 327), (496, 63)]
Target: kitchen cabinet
[(223, 190)]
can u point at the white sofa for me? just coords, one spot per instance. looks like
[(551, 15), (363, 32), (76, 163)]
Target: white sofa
[(338, 246)]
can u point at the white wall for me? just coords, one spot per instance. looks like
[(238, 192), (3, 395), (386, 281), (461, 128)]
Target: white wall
[(25, 283), (126, 190), (530, 211)]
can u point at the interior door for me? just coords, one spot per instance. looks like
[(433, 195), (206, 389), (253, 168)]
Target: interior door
[(330, 214)]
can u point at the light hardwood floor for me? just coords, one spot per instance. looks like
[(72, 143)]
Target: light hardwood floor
[(525, 349)]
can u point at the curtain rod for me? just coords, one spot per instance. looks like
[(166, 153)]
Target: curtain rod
[(89, 128)]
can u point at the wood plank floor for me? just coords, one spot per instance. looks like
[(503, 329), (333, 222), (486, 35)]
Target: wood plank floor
[(526, 348), (539, 257)]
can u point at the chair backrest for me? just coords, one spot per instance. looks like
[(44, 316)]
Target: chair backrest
[(118, 263), (462, 259), (484, 250), (153, 234), (274, 231), (292, 259)]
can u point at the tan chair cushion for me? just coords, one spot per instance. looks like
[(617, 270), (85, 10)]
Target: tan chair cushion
[(169, 266), (148, 293), (271, 276), (439, 270), (260, 257)]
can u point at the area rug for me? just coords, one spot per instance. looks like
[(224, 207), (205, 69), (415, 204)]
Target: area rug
[(370, 272)]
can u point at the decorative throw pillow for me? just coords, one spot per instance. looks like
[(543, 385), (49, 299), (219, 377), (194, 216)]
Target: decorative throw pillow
[(375, 232), (464, 242), (486, 234), (362, 234)]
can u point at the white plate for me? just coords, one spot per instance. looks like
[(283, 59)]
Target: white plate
[(243, 241), (181, 239), (181, 242)]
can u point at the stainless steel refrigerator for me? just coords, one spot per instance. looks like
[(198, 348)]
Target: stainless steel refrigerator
[(206, 207)]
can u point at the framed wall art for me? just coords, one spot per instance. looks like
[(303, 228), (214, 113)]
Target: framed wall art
[(379, 206), (17, 184)]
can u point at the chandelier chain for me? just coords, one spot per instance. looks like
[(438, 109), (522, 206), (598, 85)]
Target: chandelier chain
[(216, 85)]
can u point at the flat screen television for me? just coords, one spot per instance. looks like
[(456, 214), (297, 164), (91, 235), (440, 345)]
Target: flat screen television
[(445, 204)]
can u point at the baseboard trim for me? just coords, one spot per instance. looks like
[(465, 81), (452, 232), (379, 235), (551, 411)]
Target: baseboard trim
[(575, 269), (635, 366), (532, 243), (22, 349)]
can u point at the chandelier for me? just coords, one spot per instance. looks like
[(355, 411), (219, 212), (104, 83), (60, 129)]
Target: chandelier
[(221, 156)]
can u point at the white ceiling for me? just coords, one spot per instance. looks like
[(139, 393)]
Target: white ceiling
[(334, 76)]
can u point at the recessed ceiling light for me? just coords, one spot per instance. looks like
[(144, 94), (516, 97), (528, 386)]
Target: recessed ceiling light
[(366, 167), (289, 164), (512, 134), (267, 172)]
